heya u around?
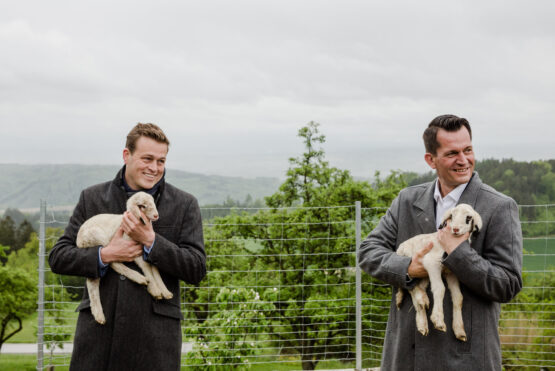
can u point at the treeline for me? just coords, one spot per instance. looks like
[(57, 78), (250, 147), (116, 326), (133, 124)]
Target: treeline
[(15, 232), (528, 183)]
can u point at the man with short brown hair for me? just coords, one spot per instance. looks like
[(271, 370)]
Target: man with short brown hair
[(141, 333), (489, 269)]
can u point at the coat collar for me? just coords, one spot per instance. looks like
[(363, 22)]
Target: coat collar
[(118, 182)]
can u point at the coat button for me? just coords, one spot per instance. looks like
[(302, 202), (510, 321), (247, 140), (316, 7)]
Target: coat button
[(122, 277)]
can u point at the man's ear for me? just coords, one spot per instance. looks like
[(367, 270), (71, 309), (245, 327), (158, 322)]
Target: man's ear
[(126, 155), (430, 160)]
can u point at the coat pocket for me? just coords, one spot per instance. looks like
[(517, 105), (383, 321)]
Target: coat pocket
[(167, 309), (85, 304)]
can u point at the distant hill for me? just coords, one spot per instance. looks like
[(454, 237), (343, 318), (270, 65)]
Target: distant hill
[(23, 186)]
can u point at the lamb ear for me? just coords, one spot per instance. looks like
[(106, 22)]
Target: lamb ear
[(447, 216), (477, 219), (134, 209)]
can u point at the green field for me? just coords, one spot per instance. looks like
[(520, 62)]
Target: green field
[(539, 254)]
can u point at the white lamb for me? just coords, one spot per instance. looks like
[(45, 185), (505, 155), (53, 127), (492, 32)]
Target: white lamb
[(99, 230), (462, 219)]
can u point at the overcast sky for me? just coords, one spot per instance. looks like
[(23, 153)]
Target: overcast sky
[(231, 82)]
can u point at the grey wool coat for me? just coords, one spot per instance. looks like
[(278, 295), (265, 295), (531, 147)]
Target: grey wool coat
[(141, 333), (489, 271)]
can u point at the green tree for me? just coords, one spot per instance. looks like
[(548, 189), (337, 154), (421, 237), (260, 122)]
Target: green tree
[(19, 298), (301, 251), (22, 234), (7, 235)]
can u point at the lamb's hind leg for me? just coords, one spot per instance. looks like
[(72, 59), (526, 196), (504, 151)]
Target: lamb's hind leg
[(438, 290), (456, 296), (156, 286), (420, 302), (93, 287), (133, 275)]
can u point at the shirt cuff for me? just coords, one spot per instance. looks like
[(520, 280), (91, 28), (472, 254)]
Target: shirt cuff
[(102, 268), (148, 249)]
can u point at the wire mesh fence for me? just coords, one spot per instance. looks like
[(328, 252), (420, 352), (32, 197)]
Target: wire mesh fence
[(282, 291)]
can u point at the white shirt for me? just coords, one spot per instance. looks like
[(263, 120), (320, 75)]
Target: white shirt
[(445, 203)]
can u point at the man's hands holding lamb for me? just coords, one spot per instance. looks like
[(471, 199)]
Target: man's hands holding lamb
[(448, 241), (416, 269), (137, 230), (124, 250), (120, 249)]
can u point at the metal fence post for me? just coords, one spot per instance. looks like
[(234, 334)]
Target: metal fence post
[(42, 253), (358, 289)]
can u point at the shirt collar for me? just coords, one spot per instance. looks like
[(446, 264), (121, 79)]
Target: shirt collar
[(455, 194)]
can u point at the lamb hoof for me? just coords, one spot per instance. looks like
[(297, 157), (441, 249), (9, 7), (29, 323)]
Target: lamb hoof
[(438, 322), (167, 295), (155, 294), (461, 337), (423, 331), (144, 281), (441, 327), (100, 318)]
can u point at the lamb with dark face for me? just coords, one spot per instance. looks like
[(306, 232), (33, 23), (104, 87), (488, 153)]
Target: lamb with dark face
[(459, 220)]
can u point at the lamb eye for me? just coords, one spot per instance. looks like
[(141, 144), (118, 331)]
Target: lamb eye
[(143, 207), (468, 219)]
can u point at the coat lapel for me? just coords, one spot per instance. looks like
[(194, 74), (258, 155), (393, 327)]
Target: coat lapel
[(470, 193), (424, 210)]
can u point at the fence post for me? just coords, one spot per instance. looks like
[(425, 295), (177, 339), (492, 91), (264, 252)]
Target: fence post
[(358, 289), (42, 253)]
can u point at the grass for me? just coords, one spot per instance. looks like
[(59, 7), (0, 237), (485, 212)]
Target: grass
[(28, 362), (18, 362)]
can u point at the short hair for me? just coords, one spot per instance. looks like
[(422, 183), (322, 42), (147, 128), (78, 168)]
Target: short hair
[(445, 122), (145, 130)]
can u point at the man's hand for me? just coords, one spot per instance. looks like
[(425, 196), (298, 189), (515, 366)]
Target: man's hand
[(136, 230), (448, 241), (416, 269), (120, 249)]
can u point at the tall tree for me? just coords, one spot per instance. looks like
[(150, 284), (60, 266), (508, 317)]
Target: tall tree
[(300, 252)]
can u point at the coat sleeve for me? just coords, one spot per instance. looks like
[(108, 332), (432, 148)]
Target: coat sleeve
[(377, 255), (496, 274), (185, 258), (66, 257)]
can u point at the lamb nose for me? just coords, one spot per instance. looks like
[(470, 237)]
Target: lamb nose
[(455, 230)]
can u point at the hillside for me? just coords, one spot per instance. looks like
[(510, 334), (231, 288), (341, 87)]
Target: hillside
[(23, 186)]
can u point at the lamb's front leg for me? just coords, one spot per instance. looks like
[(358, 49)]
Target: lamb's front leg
[(156, 286), (133, 275), (438, 290), (456, 296)]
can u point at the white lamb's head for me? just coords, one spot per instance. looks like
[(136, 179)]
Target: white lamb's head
[(144, 202), (462, 218)]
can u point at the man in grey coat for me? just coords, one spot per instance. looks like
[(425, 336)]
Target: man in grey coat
[(141, 333), (489, 269)]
